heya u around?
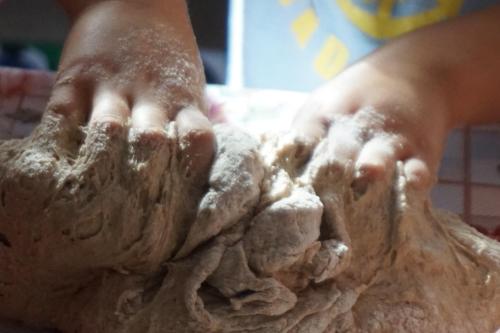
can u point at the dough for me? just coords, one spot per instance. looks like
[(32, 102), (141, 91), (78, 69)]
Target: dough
[(97, 235)]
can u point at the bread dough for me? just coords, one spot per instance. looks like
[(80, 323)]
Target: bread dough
[(102, 231)]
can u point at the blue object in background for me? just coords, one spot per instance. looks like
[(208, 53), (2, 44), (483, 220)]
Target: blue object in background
[(18, 55)]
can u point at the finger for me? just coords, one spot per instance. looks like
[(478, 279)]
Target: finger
[(311, 125), (149, 156), (109, 107), (376, 160), (378, 157), (417, 173), (149, 116), (315, 117), (66, 111), (70, 101), (344, 143), (197, 141), (101, 155)]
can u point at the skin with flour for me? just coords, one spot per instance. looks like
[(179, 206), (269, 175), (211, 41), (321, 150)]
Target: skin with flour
[(406, 96), (135, 62)]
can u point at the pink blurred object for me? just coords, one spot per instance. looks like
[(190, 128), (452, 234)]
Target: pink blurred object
[(23, 96)]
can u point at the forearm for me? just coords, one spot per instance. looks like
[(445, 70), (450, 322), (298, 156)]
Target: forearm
[(461, 57), (100, 23)]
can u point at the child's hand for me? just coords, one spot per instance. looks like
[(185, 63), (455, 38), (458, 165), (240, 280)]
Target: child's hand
[(375, 114), (400, 102), (135, 64)]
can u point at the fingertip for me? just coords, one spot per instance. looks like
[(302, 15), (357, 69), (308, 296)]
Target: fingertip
[(371, 171), (296, 147), (69, 102), (197, 140), (110, 109), (149, 117), (379, 155), (368, 172), (310, 128), (373, 164), (376, 161), (194, 127), (418, 174), (344, 146)]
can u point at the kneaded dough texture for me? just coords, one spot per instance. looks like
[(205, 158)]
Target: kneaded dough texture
[(103, 230)]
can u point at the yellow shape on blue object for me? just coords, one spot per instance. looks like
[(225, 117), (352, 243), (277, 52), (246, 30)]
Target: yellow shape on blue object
[(286, 2), (304, 26), (383, 25), (332, 58)]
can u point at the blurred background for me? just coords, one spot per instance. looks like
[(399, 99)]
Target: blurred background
[(32, 33)]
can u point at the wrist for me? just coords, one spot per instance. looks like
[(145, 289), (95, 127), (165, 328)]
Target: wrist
[(460, 57), (113, 33), (406, 61), (99, 26)]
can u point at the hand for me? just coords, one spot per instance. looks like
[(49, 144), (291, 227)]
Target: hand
[(135, 64), (378, 112), (400, 102)]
